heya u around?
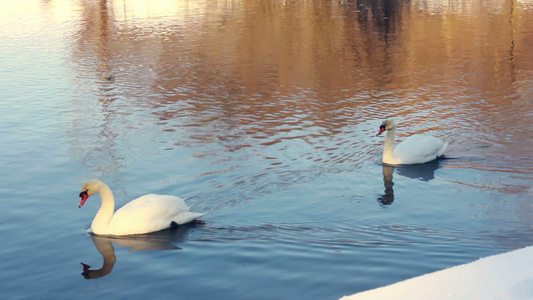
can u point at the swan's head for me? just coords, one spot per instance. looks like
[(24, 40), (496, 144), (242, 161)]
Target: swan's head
[(89, 188), (386, 125)]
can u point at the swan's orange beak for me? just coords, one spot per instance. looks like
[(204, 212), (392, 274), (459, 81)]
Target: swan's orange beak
[(84, 196), (381, 129)]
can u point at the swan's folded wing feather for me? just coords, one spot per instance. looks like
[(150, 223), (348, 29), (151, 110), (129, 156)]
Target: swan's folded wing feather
[(419, 149), (148, 213)]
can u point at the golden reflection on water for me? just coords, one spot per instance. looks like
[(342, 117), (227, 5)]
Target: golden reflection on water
[(264, 49), (263, 71)]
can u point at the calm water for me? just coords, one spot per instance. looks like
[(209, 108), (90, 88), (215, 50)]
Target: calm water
[(263, 114)]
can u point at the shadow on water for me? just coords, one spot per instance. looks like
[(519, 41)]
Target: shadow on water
[(162, 240), (424, 172)]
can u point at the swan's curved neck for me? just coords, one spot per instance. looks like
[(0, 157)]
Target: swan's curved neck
[(388, 149), (104, 215)]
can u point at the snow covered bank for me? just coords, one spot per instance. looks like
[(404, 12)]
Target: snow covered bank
[(504, 276)]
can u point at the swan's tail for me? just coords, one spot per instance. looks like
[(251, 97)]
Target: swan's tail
[(444, 147), (186, 217)]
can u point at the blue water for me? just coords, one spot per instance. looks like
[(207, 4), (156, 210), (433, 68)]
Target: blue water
[(263, 115)]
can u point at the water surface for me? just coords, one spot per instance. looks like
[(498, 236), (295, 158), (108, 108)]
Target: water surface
[(262, 114)]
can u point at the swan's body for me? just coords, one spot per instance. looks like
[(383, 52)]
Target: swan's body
[(145, 214), (416, 149)]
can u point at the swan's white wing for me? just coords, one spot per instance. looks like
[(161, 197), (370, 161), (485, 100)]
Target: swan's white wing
[(419, 149), (150, 213)]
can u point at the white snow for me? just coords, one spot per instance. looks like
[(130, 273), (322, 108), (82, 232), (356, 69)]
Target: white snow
[(503, 276)]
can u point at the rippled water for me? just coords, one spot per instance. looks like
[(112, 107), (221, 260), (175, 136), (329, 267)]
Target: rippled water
[(263, 114)]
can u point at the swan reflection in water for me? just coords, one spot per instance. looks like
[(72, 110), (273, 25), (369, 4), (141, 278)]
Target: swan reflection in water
[(423, 172), (388, 197), (162, 240)]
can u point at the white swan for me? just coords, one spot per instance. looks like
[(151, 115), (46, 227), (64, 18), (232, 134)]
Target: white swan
[(145, 214), (416, 149)]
